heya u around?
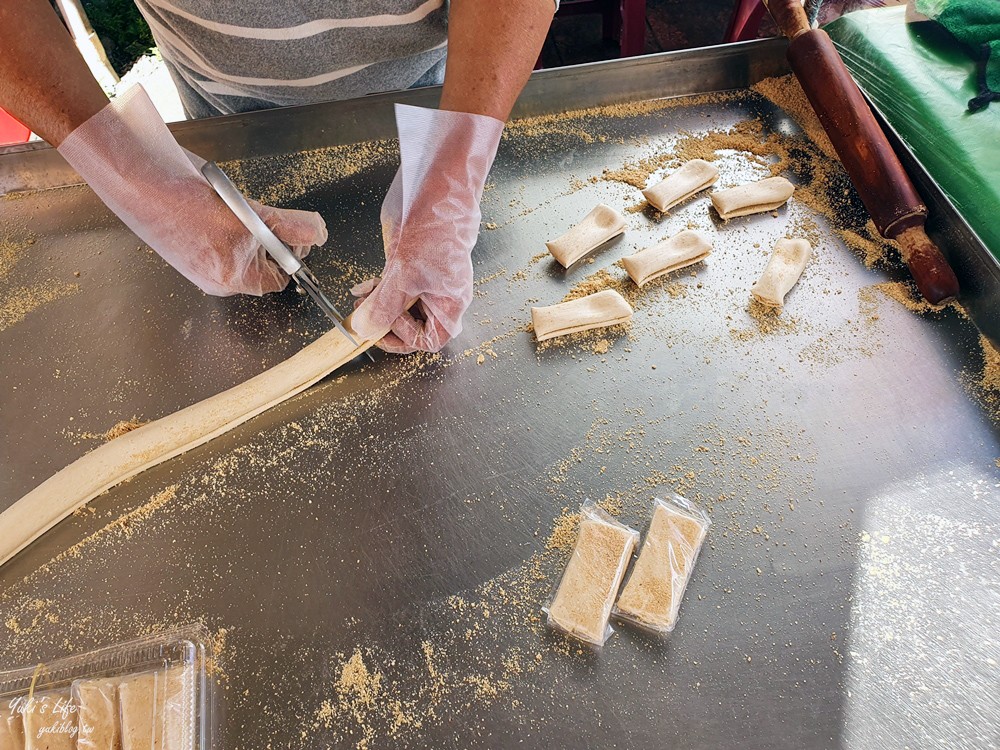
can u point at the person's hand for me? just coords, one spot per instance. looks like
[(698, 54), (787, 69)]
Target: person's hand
[(132, 162), (430, 221)]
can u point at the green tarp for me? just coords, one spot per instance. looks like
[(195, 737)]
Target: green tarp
[(921, 80)]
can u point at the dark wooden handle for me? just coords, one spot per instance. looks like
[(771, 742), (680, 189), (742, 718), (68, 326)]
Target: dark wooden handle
[(789, 15), (935, 278), (884, 187)]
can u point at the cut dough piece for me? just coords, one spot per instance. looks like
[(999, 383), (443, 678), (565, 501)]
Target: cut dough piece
[(11, 727), (782, 271), (597, 227), (752, 198), (600, 310), (693, 177), (653, 593), (49, 723), (582, 603), (157, 710), (97, 714), (145, 447), (683, 249)]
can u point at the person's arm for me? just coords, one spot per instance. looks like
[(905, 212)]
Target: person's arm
[(130, 159), (445, 158), (44, 81), (492, 49)]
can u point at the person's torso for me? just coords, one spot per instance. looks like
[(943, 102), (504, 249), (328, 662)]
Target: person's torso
[(239, 55)]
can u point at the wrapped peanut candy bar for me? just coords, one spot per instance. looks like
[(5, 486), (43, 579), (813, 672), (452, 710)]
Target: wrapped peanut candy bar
[(49, 721), (157, 710), (97, 714), (11, 726), (582, 603), (653, 593)]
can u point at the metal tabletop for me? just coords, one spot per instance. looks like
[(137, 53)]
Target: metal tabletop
[(398, 513)]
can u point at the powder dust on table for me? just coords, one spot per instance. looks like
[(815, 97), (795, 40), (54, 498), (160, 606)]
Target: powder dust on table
[(906, 294), (786, 93), (564, 531), (746, 136), (766, 321), (991, 365), (11, 252), (276, 180), (17, 304), (875, 250), (576, 122), (117, 430)]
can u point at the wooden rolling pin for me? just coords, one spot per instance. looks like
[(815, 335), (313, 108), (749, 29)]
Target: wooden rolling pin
[(884, 187)]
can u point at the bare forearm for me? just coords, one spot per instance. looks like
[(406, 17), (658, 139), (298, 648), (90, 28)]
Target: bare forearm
[(44, 81), (492, 48)]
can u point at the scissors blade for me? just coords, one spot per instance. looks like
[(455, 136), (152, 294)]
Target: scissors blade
[(278, 250), (307, 282)]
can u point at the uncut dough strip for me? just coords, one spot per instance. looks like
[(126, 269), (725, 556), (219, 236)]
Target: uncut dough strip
[(782, 271), (683, 249), (752, 198), (600, 310), (597, 227), (692, 177), (145, 447)]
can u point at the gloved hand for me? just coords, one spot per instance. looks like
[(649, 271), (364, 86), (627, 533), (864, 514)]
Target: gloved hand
[(129, 158), (430, 221)]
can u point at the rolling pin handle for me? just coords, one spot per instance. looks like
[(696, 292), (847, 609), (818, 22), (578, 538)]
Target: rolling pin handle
[(935, 278), (789, 15)]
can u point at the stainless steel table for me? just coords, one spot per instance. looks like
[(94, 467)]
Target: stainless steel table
[(398, 513)]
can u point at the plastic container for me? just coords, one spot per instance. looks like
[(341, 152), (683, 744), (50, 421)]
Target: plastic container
[(149, 694), (582, 602), (652, 595)]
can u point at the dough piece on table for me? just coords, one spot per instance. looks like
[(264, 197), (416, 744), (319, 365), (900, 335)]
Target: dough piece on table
[(135, 451), (157, 710), (11, 728), (97, 714), (683, 249), (599, 310), (692, 177), (752, 198), (653, 593), (582, 603), (49, 722), (597, 227), (782, 271)]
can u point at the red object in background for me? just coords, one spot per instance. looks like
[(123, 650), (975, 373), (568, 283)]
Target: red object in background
[(12, 131), (622, 20), (745, 21)]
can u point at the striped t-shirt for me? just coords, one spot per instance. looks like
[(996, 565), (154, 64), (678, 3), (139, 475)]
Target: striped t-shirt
[(230, 56)]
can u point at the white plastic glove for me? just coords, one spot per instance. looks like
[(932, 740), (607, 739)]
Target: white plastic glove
[(430, 222), (129, 158)]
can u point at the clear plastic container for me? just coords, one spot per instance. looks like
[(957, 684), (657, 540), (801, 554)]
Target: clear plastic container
[(153, 693)]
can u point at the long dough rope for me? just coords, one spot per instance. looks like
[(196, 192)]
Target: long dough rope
[(145, 447)]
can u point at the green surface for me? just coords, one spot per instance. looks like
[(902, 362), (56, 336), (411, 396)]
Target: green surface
[(921, 80)]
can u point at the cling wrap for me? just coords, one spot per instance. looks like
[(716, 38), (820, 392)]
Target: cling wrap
[(920, 80)]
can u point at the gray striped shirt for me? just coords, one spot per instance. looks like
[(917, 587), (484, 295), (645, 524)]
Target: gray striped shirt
[(230, 56)]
